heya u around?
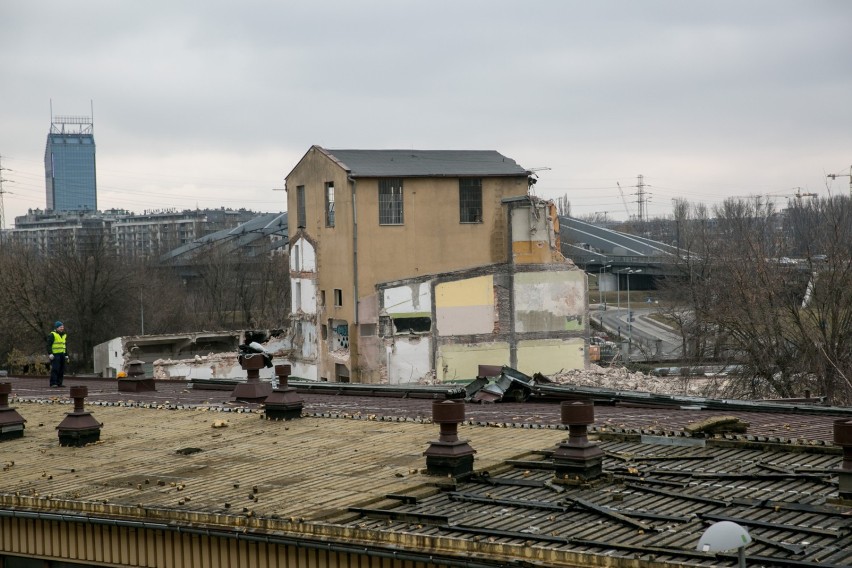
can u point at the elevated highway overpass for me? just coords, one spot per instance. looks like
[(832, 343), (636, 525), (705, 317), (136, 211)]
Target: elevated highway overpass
[(612, 254)]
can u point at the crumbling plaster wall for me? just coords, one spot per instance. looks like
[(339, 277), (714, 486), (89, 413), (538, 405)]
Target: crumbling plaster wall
[(305, 309), (550, 301), (487, 316), (406, 357), (219, 365)]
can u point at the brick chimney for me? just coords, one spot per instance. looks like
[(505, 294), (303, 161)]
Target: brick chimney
[(448, 455), (79, 428), (577, 459), (11, 423)]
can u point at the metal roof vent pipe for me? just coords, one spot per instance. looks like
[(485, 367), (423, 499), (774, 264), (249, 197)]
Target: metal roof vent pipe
[(136, 381), (283, 403), (448, 455), (576, 459), (843, 438), (79, 428), (252, 359), (11, 423)]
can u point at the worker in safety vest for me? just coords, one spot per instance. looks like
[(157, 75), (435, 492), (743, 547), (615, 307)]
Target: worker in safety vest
[(57, 353)]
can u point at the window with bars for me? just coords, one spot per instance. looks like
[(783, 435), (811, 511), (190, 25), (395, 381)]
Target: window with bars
[(470, 200), (390, 201), (300, 206), (329, 204)]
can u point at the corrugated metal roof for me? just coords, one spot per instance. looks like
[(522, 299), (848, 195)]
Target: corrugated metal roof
[(426, 163)]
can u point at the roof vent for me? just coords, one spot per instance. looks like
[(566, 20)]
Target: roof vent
[(448, 455), (843, 438), (11, 423), (136, 381), (577, 459), (283, 403), (79, 428), (252, 359)]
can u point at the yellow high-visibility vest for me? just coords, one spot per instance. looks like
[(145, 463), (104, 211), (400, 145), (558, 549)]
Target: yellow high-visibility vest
[(58, 345)]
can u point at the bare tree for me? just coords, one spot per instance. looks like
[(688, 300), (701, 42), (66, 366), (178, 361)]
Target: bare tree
[(776, 289), (93, 287)]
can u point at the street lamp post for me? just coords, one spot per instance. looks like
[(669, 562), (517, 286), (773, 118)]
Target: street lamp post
[(618, 274), (629, 313), (600, 293)]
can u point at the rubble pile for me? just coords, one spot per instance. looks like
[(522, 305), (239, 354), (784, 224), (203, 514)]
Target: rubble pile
[(619, 378)]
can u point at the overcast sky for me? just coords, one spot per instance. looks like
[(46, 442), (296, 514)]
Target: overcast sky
[(212, 103)]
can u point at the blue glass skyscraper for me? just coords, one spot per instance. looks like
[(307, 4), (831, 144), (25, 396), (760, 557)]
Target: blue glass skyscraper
[(69, 165)]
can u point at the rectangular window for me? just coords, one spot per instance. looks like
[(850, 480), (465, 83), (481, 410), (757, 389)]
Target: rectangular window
[(329, 204), (300, 206), (338, 298), (470, 200), (390, 201)]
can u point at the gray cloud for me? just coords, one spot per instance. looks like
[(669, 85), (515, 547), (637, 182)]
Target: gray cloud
[(212, 104)]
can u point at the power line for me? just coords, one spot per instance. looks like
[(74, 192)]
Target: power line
[(2, 192)]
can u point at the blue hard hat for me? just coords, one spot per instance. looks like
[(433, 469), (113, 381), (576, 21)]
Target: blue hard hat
[(57, 324)]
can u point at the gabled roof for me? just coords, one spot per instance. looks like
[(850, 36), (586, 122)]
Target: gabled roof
[(425, 163)]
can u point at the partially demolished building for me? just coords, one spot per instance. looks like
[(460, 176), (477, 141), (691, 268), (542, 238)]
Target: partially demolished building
[(412, 266)]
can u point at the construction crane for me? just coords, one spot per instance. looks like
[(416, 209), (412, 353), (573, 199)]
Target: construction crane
[(849, 175), (800, 195), (624, 200)]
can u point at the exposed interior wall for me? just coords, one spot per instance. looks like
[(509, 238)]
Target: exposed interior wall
[(535, 238), (410, 299), (407, 351), (305, 308), (550, 301), (465, 307), (409, 360), (303, 256), (550, 356), (459, 361)]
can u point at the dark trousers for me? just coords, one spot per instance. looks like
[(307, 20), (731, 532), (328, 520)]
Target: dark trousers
[(57, 369)]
